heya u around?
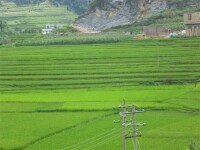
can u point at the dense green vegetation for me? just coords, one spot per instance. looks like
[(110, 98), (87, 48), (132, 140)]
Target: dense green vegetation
[(22, 2), (3, 25), (61, 97), (73, 39), (78, 6), (32, 18), (4, 39)]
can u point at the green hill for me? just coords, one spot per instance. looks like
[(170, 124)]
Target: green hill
[(78, 6), (33, 17)]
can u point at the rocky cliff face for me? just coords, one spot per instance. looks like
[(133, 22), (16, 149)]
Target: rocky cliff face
[(109, 13)]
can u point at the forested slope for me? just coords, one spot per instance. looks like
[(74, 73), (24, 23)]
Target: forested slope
[(78, 6)]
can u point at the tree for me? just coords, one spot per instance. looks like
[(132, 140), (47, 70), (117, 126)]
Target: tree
[(3, 25)]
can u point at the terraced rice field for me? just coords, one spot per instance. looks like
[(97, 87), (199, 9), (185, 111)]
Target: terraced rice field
[(110, 65), (61, 97), (34, 16)]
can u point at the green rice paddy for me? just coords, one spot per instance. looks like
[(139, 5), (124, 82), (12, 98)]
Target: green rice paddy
[(61, 97)]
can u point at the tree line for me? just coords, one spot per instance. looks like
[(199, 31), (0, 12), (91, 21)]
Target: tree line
[(3, 25)]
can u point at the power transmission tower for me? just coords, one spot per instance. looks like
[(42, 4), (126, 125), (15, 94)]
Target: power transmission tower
[(125, 124)]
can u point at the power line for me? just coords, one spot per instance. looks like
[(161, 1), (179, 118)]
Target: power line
[(133, 124), (103, 142), (95, 140), (91, 140)]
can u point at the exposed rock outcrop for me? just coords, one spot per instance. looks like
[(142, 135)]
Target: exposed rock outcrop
[(109, 13), (112, 13)]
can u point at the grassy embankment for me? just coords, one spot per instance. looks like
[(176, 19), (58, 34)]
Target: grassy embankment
[(53, 96)]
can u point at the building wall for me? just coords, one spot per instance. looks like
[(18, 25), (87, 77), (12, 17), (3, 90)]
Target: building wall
[(192, 23), (156, 31), (47, 31), (193, 30), (192, 18)]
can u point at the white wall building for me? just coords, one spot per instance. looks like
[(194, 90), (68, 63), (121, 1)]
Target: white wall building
[(49, 29)]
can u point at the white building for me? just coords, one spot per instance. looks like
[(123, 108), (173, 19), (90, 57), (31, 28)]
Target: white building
[(49, 29)]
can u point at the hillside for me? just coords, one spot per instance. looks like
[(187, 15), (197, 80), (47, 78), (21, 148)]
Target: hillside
[(77, 6), (32, 17), (105, 14)]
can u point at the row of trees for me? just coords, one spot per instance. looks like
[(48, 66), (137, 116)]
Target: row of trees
[(3, 25), (4, 38)]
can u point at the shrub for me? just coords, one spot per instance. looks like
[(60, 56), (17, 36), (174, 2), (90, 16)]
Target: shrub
[(4, 39)]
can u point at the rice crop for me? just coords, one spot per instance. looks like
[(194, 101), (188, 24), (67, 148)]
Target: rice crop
[(60, 97)]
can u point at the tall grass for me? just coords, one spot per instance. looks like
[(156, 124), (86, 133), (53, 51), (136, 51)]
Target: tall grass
[(75, 39)]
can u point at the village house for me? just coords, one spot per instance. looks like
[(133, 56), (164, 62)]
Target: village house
[(47, 31), (156, 32), (49, 28), (192, 23)]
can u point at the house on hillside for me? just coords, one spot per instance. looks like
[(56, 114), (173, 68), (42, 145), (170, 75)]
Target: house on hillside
[(47, 31), (156, 32), (49, 28), (192, 23)]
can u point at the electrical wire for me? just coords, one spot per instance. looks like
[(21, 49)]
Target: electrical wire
[(91, 140), (95, 140), (102, 142)]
